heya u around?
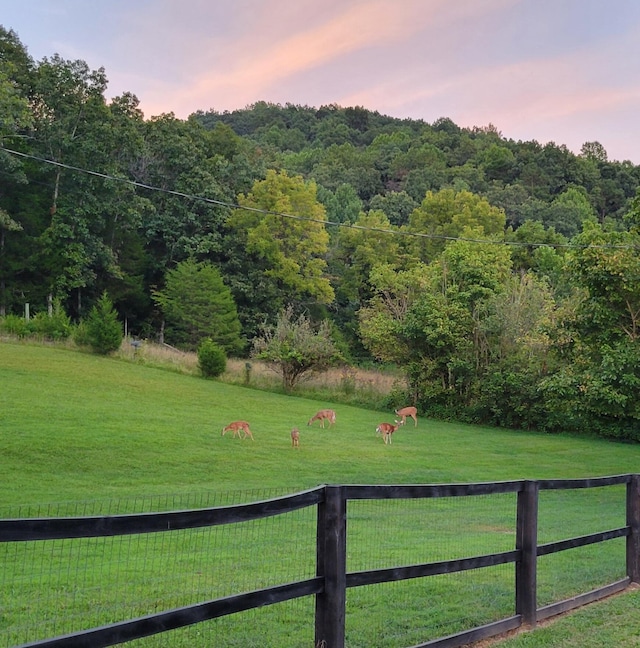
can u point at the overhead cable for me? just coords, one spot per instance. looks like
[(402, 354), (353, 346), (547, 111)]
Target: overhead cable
[(258, 210)]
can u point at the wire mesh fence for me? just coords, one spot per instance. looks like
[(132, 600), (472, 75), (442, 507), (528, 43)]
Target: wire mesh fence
[(573, 513), (385, 533), (53, 587)]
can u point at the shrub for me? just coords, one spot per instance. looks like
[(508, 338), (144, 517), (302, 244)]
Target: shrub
[(80, 335), (14, 325), (212, 359), (56, 326), (103, 330)]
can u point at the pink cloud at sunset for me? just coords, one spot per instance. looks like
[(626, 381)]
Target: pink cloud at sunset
[(565, 72), (256, 70), (260, 64)]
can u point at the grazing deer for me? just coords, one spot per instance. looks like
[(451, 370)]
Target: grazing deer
[(295, 438), (386, 430), (237, 427), (408, 411), (323, 415)]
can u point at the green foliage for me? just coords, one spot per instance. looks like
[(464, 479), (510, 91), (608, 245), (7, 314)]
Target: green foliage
[(438, 334), (597, 392), (56, 326), (291, 249), (14, 106), (396, 205), (607, 265), (197, 304), (81, 334), (343, 205), (212, 359), (295, 348), (14, 325), (509, 396), (103, 330), (473, 271), (447, 214), (381, 321)]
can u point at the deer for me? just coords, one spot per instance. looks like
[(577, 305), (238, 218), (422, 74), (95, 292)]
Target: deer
[(408, 411), (237, 427), (322, 415), (295, 438), (386, 430)]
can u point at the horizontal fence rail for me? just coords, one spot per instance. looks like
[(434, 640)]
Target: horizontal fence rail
[(113, 525), (332, 578)]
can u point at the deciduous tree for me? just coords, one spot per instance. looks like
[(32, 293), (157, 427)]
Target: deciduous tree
[(282, 227), (295, 348)]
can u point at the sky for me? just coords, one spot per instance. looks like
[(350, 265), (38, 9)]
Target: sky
[(563, 71)]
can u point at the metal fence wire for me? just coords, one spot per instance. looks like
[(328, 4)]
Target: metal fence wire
[(54, 587)]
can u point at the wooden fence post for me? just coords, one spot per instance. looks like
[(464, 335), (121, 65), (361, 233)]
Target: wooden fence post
[(633, 522), (527, 543), (332, 566)]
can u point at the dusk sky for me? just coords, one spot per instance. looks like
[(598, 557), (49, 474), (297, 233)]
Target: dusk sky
[(566, 71)]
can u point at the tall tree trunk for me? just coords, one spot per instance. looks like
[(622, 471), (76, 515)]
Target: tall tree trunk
[(56, 190)]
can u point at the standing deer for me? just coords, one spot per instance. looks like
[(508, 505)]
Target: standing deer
[(323, 415), (295, 438), (408, 411), (386, 430), (236, 427)]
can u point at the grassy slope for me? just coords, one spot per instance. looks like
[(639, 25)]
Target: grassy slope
[(76, 426)]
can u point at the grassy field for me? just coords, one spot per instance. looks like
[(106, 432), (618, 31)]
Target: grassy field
[(80, 428), (77, 426)]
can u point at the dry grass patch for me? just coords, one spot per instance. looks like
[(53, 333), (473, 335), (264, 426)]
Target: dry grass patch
[(349, 380)]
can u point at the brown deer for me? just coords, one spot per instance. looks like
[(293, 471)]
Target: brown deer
[(237, 427), (322, 416), (295, 438), (408, 411), (386, 430)]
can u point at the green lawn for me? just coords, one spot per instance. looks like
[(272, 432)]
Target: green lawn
[(612, 623), (80, 428)]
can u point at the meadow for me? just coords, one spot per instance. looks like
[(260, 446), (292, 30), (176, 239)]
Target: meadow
[(82, 432)]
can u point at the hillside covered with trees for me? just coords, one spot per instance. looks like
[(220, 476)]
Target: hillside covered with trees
[(502, 276)]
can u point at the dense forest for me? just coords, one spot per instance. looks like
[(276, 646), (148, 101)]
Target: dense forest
[(502, 276)]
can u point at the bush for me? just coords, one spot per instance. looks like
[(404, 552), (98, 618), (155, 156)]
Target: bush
[(212, 359), (509, 396), (56, 326), (14, 325), (80, 334), (102, 328)]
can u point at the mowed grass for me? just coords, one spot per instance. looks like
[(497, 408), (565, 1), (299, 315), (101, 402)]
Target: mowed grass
[(76, 427)]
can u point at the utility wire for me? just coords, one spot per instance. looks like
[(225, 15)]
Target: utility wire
[(265, 212)]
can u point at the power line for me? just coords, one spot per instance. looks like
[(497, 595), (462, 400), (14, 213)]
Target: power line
[(268, 212)]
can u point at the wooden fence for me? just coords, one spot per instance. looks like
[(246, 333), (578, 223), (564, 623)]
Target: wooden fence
[(332, 579)]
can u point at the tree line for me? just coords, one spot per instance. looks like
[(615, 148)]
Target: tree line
[(503, 277)]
